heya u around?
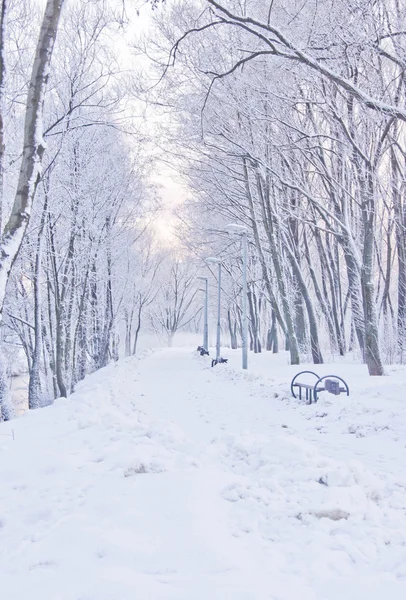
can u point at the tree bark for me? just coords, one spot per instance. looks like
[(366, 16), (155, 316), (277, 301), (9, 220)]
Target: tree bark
[(33, 145), (3, 13), (372, 350), (34, 385), (270, 231)]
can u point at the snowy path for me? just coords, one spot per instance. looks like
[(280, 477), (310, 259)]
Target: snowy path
[(164, 479)]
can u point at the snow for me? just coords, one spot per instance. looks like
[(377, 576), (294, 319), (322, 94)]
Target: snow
[(162, 478)]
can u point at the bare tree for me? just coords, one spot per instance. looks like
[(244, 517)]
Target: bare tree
[(33, 145), (174, 306)]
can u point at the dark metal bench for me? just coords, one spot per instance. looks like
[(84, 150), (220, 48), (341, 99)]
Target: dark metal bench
[(328, 383), (217, 361)]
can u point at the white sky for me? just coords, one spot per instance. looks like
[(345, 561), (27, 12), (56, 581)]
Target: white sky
[(171, 190)]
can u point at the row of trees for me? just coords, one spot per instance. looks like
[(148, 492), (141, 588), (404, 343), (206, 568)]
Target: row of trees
[(57, 300), (290, 120), (81, 270)]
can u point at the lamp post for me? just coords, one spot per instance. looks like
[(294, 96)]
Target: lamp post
[(206, 313), (242, 232), (217, 261)]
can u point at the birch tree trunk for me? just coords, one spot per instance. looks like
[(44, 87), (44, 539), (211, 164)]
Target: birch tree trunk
[(3, 12), (33, 145), (3, 9)]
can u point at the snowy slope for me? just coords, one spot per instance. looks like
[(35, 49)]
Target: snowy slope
[(162, 478)]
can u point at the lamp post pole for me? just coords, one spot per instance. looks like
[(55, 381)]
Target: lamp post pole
[(217, 261), (206, 316), (242, 232), (206, 313), (218, 313), (244, 303)]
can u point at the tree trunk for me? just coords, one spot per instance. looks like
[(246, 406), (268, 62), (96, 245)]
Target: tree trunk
[(258, 244), (232, 327), (300, 320), (254, 330), (372, 350), (33, 146), (400, 230), (354, 285), (272, 342), (59, 320), (3, 12), (333, 274), (5, 409), (322, 298), (128, 333), (314, 336), (34, 385), (269, 226), (138, 328)]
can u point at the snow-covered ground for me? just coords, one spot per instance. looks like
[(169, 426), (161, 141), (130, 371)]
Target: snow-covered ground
[(164, 479)]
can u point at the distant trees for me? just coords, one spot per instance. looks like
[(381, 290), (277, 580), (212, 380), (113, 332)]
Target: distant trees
[(144, 276), (175, 305)]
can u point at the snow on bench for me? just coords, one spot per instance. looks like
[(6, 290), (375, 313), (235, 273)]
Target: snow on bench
[(331, 384)]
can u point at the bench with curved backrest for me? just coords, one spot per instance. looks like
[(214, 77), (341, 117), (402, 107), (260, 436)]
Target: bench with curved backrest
[(203, 352), (218, 361), (328, 383)]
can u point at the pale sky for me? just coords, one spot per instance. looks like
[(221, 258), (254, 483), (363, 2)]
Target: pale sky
[(171, 190)]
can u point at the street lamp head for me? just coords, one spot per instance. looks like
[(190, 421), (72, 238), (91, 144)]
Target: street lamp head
[(201, 277), (213, 259), (235, 228)]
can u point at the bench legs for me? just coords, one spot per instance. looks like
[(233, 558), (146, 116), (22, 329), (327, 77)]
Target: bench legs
[(309, 394)]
